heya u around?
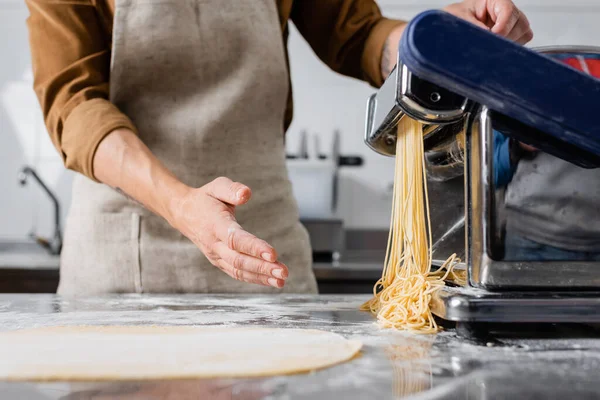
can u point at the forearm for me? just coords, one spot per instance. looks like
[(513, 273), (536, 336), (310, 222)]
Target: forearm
[(389, 55), (125, 163)]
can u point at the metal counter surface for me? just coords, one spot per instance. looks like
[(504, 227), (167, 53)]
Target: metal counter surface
[(392, 364)]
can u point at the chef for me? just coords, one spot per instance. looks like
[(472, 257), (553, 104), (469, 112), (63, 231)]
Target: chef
[(174, 111)]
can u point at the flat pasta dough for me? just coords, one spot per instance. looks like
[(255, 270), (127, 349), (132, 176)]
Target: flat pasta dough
[(158, 352)]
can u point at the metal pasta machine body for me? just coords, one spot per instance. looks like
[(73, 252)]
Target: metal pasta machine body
[(530, 120)]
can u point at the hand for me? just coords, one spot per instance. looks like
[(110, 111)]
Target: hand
[(518, 150), (527, 147), (500, 16), (206, 216)]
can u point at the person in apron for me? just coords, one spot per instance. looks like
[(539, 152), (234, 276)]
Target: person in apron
[(174, 113)]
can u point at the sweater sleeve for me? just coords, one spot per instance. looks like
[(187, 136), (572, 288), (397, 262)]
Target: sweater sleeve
[(347, 35), (71, 60)]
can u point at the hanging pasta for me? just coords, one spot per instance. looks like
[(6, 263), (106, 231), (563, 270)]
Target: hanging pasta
[(403, 294)]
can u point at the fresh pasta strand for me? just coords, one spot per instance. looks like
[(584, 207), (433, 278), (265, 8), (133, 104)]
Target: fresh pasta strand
[(403, 294)]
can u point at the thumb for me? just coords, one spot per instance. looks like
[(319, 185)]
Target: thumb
[(228, 191)]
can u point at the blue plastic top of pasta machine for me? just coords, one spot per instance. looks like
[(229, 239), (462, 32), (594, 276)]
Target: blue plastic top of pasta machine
[(559, 102)]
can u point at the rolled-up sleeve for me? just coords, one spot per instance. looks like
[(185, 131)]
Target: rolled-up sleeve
[(71, 61), (347, 35)]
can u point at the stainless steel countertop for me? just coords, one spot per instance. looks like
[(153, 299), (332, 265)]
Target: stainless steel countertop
[(392, 364)]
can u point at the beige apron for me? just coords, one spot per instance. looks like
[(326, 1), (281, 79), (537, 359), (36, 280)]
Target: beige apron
[(205, 82)]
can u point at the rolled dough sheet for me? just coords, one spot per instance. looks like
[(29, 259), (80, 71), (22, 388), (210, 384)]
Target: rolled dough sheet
[(157, 352)]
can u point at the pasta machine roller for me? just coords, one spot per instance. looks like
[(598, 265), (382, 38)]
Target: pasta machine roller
[(455, 77)]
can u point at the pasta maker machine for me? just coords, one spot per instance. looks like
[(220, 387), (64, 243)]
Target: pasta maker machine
[(457, 78)]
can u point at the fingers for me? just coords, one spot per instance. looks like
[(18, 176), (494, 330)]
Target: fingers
[(229, 231), (238, 239), (509, 21), (471, 18), (208, 220), (246, 243), (467, 13), (520, 29), (525, 38), (526, 32), (243, 275), (251, 264), (227, 191), (501, 16), (481, 12), (505, 16)]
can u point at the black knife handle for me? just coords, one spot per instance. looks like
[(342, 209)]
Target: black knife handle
[(350, 161)]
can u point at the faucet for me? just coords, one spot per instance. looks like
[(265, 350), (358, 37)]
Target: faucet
[(54, 245)]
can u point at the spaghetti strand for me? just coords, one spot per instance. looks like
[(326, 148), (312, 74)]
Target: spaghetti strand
[(402, 296)]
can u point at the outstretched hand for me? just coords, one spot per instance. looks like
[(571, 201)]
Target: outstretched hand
[(206, 216)]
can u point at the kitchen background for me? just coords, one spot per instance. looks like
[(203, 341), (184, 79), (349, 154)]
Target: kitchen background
[(324, 103)]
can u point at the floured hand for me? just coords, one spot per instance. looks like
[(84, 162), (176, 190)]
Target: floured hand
[(206, 216)]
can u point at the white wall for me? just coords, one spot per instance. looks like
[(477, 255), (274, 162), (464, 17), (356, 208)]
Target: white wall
[(23, 139), (324, 102)]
